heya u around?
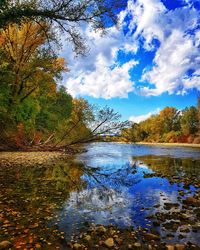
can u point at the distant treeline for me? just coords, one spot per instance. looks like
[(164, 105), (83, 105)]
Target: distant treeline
[(170, 125)]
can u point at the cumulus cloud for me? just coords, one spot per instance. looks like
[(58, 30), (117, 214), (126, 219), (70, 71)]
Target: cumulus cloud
[(174, 35), (140, 118), (99, 74), (178, 35), (175, 57), (104, 81)]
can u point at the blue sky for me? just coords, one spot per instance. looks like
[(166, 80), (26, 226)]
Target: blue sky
[(150, 61)]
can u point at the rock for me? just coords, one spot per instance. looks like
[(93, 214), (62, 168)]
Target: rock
[(169, 206), (137, 245), (172, 225), (179, 247), (150, 236), (185, 216), (170, 247), (196, 226), (191, 201), (87, 237), (118, 240), (5, 244), (109, 242), (184, 229), (37, 246), (101, 229), (156, 223), (77, 246)]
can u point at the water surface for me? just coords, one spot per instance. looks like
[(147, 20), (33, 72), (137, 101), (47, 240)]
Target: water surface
[(48, 204), (117, 192)]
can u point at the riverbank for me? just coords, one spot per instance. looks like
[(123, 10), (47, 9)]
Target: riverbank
[(169, 144), (29, 158), (33, 158)]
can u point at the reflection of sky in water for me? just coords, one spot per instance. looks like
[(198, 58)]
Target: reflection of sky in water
[(117, 193)]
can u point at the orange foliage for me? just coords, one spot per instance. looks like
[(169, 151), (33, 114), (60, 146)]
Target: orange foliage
[(59, 64), (37, 138), (20, 138), (21, 42)]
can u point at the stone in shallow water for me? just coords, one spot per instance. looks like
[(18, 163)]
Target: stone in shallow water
[(77, 246), (169, 206), (87, 237), (137, 245), (5, 244), (109, 242), (191, 201), (179, 247), (150, 236), (170, 247), (101, 229)]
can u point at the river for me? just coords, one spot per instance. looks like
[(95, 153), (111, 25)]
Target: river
[(110, 184)]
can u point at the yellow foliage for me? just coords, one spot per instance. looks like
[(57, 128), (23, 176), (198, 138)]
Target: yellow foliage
[(59, 64), (20, 42)]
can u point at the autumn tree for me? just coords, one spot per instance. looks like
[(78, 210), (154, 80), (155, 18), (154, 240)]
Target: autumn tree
[(68, 15), (30, 64), (76, 127), (190, 121), (29, 70)]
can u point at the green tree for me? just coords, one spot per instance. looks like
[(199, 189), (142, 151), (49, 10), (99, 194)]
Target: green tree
[(189, 121)]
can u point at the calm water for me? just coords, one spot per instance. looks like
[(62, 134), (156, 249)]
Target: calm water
[(108, 188), (116, 191)]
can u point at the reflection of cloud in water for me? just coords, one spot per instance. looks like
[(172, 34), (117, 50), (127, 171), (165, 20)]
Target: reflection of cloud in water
[(101, 206), (166, 197)]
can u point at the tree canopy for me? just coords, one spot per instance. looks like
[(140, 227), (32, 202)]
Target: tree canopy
[(170, 125), (68, 15)]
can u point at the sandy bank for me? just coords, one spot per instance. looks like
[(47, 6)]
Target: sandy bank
[(169, 144)]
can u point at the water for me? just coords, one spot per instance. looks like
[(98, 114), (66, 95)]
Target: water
[(117, 192), (109, 188)]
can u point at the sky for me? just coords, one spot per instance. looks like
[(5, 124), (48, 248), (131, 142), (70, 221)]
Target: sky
[(150, 60)]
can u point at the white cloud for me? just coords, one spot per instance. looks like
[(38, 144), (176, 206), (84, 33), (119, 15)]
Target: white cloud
[(94, 75), (173, 59), (178, 37), (146, 16), (140, 118), (103, 81), (178, 52)]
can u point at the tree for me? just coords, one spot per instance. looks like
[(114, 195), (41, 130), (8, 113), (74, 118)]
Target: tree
[(189, 121), (104, 121), (68, 15), (31, 66), (89, 123), (169, 118), (30, 101)]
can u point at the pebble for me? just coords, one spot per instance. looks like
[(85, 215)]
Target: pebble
[(5, 244), (179, 247), (101, 229), (77, 246), (137, 245), (109, 242), (170, 247), (150, 236), (87, 237)]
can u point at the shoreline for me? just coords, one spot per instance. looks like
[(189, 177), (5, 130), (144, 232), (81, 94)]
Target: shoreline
[(168, 144), (30, 158)]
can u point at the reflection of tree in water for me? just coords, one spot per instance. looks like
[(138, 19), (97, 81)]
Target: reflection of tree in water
[(112, 177), (105, 188), (30, 195), (187, 167)]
